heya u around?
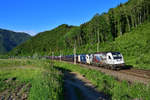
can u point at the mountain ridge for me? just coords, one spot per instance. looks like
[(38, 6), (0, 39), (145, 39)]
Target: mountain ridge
[(10, 39)]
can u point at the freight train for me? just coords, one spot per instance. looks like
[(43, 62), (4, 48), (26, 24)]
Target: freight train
[(109, 60)]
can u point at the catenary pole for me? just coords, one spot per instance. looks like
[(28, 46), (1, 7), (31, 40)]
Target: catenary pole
[(75, 52)]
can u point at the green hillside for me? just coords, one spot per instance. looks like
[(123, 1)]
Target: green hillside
[(101, 28), (10, 39)]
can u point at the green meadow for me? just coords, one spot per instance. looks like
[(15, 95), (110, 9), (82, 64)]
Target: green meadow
[(30, 79)]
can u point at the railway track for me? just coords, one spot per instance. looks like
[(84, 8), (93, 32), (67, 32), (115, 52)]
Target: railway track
[(131, 75), (137, 72)]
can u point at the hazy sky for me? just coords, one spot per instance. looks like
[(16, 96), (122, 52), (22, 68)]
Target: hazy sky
[(35, 16)]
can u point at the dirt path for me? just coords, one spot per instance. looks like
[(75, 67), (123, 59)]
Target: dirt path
[(79, 88)]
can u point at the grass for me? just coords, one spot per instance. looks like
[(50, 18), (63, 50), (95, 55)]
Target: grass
[(45, 81), (109, 85)]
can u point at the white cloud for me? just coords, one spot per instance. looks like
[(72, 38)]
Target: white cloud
[(32, 33)]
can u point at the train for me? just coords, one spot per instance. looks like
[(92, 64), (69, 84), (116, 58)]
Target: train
[(109, 60)]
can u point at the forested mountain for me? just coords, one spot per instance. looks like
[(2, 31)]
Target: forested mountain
[(44, 42), (102, 28), (10, 39)]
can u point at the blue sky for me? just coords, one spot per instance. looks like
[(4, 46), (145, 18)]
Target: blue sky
[(35, 16)]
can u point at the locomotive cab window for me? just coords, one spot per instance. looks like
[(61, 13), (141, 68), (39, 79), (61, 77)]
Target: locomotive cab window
[(117, 56)]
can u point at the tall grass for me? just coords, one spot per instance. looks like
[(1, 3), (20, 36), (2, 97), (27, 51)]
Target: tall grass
[(49, 84)]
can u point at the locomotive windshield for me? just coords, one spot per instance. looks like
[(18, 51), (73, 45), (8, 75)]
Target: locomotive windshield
[(117, 55)]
